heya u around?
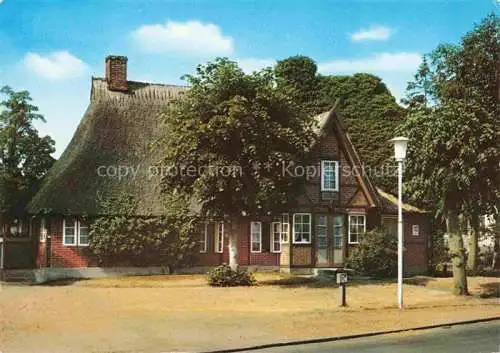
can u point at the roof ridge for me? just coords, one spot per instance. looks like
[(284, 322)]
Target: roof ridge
[(94, 78), (393, 200)]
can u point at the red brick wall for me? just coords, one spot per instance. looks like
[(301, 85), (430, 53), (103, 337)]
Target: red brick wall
[(264, 258), (64, 255), (116, 73), (416, 248)]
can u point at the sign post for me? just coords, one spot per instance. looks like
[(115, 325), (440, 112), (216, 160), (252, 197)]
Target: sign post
[(342, 281), (2, 256)]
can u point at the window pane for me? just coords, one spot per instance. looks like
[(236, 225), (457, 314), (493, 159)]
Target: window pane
[(84, 240), (219, 238), (256, 236)]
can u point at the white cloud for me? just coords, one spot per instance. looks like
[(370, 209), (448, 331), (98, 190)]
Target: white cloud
[(380, 62), (188, 37), (372, 33), (252, 64), (55, 66)]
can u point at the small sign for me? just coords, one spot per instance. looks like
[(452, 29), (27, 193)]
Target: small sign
[(341, 277), (415, 230)]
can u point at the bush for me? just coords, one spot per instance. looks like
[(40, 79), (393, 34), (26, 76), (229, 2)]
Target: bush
[(223, 276), (128, 240), (440, 265), (376, 255)]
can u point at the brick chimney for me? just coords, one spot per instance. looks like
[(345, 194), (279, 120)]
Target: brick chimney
[(116, 73)]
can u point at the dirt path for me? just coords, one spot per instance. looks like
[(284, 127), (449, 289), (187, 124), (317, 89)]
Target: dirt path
[(188, 316)]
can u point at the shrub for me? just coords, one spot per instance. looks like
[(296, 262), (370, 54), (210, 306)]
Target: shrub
[(440, 259), (223, 276), (128, 240), (375, 255)]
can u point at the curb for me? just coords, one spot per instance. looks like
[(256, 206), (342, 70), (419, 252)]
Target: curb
[(348, 337)]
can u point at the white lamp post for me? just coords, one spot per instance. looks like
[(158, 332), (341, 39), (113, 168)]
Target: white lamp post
[(400, 144)]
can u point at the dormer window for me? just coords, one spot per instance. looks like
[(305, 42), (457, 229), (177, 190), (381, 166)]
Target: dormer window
[(329, 176)]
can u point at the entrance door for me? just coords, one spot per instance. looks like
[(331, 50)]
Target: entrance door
[(337, 243), (321, 240)]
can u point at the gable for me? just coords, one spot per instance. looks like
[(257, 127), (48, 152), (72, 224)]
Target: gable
[(334, 144)]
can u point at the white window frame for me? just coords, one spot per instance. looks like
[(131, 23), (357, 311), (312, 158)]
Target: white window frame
[(415, 230), (77, 225), (79, 233), (335, 227), (205, 239), (325, 228), (335, 173), (310, 228), (255, 231), (219, 238), (273, 234), (43, 230), (75, 235), (349, 227), (285, 228)]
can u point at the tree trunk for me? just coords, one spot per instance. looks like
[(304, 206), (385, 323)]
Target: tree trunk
[(496, 249), (457, 253), (473, 245), (234, 256)]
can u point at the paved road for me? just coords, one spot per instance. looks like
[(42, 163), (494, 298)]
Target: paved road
[(473, 338)]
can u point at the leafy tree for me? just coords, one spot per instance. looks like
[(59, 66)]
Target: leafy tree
[(120, 237), (371, 113), (371, 117), (297, 78), (229, 136), (452, 158), (461, 81), (24, 155)]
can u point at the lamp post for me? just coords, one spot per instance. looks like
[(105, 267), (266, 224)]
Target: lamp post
[(400, 144)]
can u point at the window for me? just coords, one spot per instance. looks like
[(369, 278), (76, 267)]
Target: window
[(337, 231), (219, 237), (321, 232), (390, 224), (75, 232), (415, 230), (329, 176), (256, 236), (276, 237), (83, 233), (357, 226), (43, 230), (69, 232), (285, 228), (302, 228), (203, 238)]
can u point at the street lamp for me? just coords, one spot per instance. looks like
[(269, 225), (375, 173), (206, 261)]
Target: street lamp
[(400, 144)]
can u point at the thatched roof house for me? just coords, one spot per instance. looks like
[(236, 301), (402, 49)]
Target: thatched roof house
[(111, 154), (114, 136)]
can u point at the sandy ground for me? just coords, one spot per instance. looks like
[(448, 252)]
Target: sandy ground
[(162, 314)]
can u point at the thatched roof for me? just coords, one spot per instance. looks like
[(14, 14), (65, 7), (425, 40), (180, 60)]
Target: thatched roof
[(389, 204), (117, 130)]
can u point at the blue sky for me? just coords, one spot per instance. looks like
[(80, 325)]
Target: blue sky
[(52, 48)]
